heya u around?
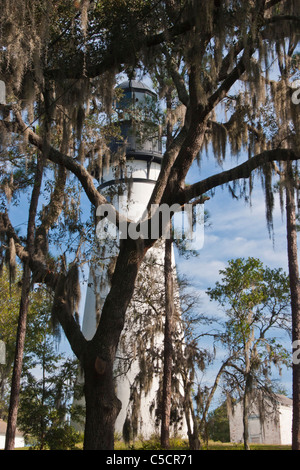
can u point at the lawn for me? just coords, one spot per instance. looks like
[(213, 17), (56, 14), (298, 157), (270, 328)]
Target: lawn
[(182, 444), (179, 444)]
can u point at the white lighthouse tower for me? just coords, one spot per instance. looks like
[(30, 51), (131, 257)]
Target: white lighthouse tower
[(128, 183)]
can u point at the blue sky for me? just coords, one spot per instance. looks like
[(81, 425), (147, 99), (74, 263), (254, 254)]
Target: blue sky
[(236, 229)]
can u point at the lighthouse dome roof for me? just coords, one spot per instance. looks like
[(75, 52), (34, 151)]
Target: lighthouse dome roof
[(136, 85)]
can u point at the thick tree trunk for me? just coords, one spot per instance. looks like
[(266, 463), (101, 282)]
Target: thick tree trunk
[(295, 306), (102, 405), (168, 347)]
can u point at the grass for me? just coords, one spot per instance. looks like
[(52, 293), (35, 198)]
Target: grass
[(152, 444), (182, 444), (235, 446)]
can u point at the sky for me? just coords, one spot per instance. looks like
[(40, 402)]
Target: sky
[(235, 229)]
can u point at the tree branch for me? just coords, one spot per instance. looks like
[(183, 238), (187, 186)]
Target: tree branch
[(166, 167), (271, 4), (178, 80), (86, 180), (56, 281), (227, 83), (51, 212), (279, 18), (72, 165), (119, 56), (37, 267), (243, 170)]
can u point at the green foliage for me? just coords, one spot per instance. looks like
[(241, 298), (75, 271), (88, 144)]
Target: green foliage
[(46, 403), (153, 443), (218, 424), (48, 378), (9, 306), (256, 301), (48, 384), (181, 444), (64, 437), (251, 294)]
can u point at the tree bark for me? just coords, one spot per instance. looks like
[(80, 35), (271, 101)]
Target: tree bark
[(18, 362), (22, 321), (193, 433), (247, 391), (102, 404), (246, 415), (295, 304), (168, 346)]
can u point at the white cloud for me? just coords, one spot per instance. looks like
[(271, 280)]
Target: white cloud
[(237, 230)]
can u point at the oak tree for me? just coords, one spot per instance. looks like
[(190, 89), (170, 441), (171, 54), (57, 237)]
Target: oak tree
[(60, 61)]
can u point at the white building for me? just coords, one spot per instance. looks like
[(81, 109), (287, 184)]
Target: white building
[(270, 422), (128, 183), (19, 439)]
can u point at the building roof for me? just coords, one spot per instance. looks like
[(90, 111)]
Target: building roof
[(283, 400), (136, 85), (3, 426)]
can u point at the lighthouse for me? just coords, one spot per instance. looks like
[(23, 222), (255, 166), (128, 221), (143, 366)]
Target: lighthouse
[(128, 182)]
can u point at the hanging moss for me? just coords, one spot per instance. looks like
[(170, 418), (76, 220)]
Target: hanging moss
[(72, 288), (11, 259), (127, 431), (269, 194)]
